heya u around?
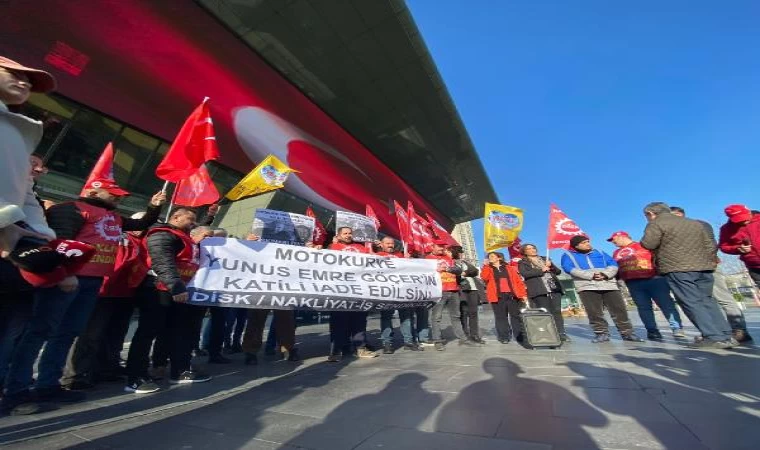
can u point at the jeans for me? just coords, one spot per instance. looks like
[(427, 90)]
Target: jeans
[(450, 302), (235, 326), (57, 318), (213, 332), (82, 362), (654, 289), (469, 311), (285, 330), (596, 301), (727, 302), (405, 317), (552, 303), (694, 292), (506, 314), (347, 329), (15, 313), (422, 329)]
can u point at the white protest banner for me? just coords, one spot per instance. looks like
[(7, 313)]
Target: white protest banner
[(261, 275), (364, 227), (282, 227)]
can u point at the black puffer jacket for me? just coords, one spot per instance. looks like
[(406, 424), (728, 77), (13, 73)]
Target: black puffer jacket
[(163, 248), (534, 278)]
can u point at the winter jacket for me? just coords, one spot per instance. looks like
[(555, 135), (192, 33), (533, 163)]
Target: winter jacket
[(680, 244), (467, 277), (515, 285), (583, 266), (732, 235), (19, 136), (163, 248), (534, 278)]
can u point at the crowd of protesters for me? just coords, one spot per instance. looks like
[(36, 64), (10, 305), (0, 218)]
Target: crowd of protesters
[(73, 274)]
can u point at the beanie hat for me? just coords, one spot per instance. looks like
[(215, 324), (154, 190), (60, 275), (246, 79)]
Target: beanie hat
[(575, 240)]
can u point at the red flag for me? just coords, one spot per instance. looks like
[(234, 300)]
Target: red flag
[(103, 169), (561, 229), (515, 250), (440, 232), (194, 145), (414, 229), (196, 190), (403, 226), (320, 232), (369, 212)]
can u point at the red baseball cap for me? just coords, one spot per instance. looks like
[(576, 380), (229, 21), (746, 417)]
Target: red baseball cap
[(41, 81), (108, 185), (738, 213), (47, 264), (618, 233)]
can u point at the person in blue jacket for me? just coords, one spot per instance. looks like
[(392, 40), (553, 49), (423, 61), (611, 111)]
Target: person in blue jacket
[(593, 273)]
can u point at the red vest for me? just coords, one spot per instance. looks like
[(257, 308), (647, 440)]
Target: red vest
[(101, 229), (634, 262), (448, 280), (129, 271), (354, 247), (390, 255), (188, 259)]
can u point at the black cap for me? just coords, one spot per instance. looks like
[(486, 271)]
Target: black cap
[(575, 240)]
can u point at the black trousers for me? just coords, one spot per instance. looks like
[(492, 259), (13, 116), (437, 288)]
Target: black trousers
[(83, 362), (184, 324), (754, 273), (553, 304), (348, 331), (469, 303), (218, 324), (596, 301), (506, 313)]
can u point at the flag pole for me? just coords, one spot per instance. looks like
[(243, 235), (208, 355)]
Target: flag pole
[(166, 186), (171, 203)]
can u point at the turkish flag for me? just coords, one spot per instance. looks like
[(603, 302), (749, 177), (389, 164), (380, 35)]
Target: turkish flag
[(196, 190), (369, 212), (319, 235), (194, 145), (403, 225), (561, 229), (441, 232), (103, 169)]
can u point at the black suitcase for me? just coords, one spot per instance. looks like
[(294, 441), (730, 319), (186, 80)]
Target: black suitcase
[(540, 328)]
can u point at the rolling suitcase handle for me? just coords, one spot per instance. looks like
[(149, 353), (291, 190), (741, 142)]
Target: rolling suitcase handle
[(522, 311)]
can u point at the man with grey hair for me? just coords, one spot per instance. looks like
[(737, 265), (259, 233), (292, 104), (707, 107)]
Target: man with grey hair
[(686, 254)]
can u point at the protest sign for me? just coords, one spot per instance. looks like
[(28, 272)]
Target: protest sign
[(282, 227), (364, 227), (261, 275)]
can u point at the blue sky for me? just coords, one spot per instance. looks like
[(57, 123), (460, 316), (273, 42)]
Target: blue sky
[(602, 107)]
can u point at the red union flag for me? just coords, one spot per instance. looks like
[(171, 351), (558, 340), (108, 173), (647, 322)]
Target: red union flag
[(103, 169), (196, 190), (194, 145), (561, 229), (403, 226), (369, 212), (440, 232), (320, 232)]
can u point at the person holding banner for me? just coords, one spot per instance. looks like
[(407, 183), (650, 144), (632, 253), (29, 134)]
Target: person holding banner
[(348, 329), (449, 272), (405, 315), (173, 259), (506, 293)]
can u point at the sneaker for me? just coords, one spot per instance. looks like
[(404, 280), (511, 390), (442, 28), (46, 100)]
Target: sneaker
[(632, 337), (720, 345), (698, 339), (467, 343), (600, 338), (251, 359), (218, 359), (742, 336), (190, 376), (427, 344), (565, 338), (388, 349), (364, 352), (58, 394), (335, 357), (158, 373), (654, 335), (142, 386), (477, 340), (505, 341), (23, 405), (678, 332), (292, 355), (439, 346), (413, 348), (79, 385)]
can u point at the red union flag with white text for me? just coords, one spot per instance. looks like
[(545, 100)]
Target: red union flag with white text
[(561, 229), (196, 190)]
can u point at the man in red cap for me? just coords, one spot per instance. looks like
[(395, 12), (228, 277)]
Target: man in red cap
[(636, 268), (450, 298), (61, 312), (741, 236)]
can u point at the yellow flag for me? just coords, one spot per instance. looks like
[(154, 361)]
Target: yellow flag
[(269, 175), (502, 225)]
